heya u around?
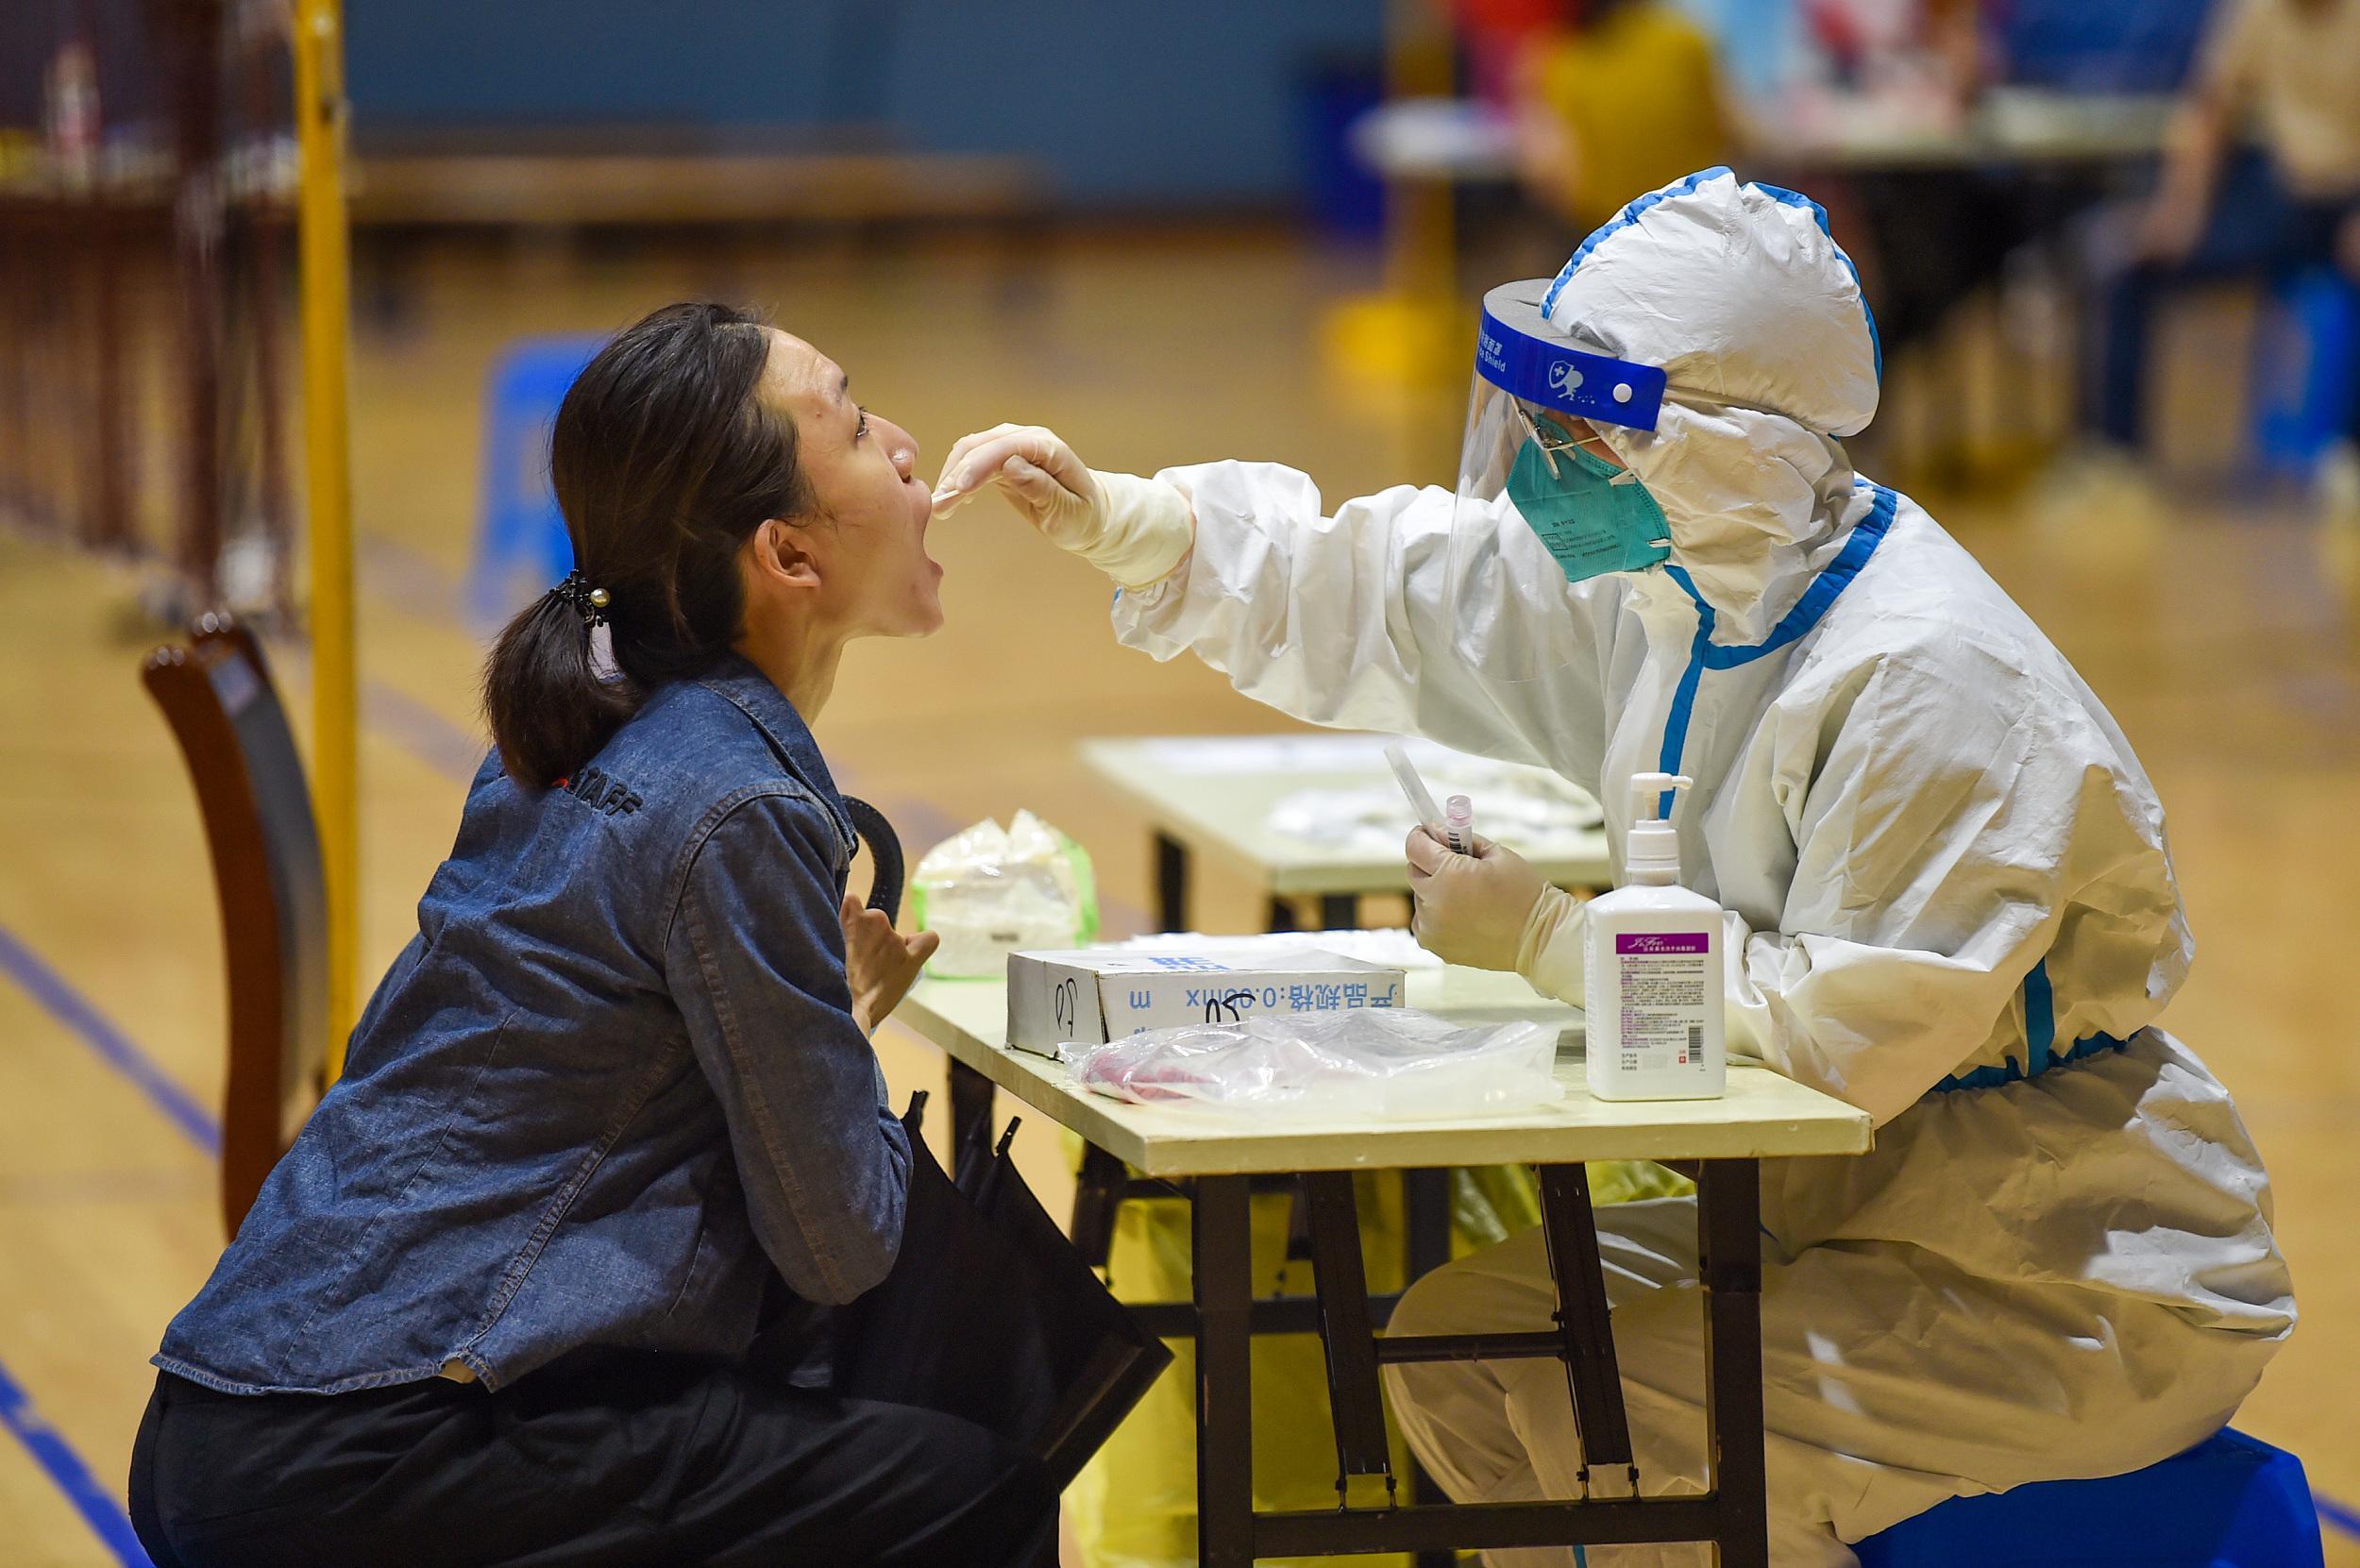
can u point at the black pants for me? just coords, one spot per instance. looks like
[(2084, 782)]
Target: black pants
[(631, 1461), (2257, 229)]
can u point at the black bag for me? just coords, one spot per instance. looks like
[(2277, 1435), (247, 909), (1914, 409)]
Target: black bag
[(990, 1314)]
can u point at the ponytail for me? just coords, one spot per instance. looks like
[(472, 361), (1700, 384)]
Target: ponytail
[(664, 461), (550, 710)]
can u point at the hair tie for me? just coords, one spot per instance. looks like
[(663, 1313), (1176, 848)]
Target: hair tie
[(590, 602)]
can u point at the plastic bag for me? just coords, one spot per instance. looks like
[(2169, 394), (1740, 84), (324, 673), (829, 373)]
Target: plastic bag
[(1379, 1062), (990, 891)]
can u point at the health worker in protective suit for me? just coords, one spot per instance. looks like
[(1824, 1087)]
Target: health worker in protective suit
[(1949, 899)]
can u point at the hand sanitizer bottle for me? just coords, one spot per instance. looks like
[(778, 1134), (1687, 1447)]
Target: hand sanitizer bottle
[(1653, 970)]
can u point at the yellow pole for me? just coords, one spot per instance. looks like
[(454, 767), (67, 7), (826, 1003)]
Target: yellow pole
[(1420, 237), (1412, 337), (319, 97)]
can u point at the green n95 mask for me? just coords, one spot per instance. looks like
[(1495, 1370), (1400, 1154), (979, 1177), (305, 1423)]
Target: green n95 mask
[(1593, 517)]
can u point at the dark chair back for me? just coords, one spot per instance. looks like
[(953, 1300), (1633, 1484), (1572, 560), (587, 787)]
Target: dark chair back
[(217, 695)]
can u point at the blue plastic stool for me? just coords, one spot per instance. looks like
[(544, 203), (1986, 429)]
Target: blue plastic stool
[(2229, 1502), (521, 546), (2306, 371)]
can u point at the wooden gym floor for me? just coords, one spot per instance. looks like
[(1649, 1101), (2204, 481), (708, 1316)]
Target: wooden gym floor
[(2222, 637)]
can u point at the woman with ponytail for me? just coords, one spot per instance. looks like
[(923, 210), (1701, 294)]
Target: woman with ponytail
[(612, 1116)]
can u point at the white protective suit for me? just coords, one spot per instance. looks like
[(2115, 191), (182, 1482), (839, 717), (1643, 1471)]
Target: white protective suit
[(1941, 861)]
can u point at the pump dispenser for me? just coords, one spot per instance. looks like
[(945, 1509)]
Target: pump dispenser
[(1651, 857), (1654, 985)]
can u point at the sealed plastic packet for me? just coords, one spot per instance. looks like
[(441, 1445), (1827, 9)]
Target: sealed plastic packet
[(1379, 1064)]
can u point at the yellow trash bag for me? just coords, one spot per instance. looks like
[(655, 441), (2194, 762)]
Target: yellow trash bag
[(1134, 1505)]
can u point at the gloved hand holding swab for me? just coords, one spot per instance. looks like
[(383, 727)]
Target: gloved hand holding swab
[(1135, 530)]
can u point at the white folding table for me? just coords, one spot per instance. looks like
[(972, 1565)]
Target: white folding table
[(1210, 1155), (1212, 795)]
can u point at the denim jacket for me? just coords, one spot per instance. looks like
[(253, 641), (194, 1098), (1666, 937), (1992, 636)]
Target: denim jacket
[(612, 1088)]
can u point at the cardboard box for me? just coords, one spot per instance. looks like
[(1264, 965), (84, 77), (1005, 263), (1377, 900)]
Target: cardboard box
[(1105, 993)]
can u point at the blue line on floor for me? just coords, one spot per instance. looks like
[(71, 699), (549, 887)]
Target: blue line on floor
[(422, 731), (2339, 1516), (409, 578), (60, 1001), (449, 749), (96, 1503)]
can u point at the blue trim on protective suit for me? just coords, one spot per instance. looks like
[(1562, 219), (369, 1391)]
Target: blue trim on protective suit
[(1684, 694), (2040, 1020), (1621, 221), (2040, 1039), (1703, 655), (1992, 1077), (1796, 198)]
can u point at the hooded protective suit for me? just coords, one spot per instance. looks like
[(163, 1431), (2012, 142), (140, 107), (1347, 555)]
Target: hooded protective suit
[(1950, 904)]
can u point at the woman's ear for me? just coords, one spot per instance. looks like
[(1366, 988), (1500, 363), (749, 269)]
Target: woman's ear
[(776, 557)]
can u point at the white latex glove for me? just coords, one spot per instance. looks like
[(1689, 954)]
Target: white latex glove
[(1135, 530), (1491, 910)]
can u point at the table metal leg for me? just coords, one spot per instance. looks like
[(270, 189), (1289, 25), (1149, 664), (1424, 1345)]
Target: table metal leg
[(1425, 1239), (1356, 1409), (1734, 1516), (1299, 1227), (1728, 1232), (1426, 1247), (1171, 883), (1097, 1194), (1221, 1267), (1339, 911), (1569, 1228)]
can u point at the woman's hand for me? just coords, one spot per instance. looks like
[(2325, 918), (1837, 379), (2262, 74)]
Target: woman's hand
[(881, 962), (1135, 530)]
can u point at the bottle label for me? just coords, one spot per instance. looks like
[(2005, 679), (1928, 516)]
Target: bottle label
[(1663, 983)]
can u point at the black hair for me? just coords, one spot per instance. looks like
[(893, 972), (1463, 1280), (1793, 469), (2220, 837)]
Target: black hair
[(664, 461)]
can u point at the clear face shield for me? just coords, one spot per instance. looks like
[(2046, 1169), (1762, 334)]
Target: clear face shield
[(1535, 511)]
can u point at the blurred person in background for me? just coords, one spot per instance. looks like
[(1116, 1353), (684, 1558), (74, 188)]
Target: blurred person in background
[(1624, 96), (1927, 54), (2287, 72), (1878, 74)]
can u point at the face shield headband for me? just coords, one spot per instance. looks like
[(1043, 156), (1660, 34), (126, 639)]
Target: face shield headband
[(1551, 373)]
